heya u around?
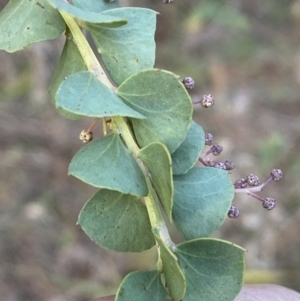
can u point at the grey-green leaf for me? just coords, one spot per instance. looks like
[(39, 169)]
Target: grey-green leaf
[(106, 163), (70, 62), (142, 286), (117, 221), (186, 156), (163, 99), (213, 269), (202, 199), (128, 49), (24, 22), (175, 280), (96, 6), (81, 15), (83, 94), (158, 160)]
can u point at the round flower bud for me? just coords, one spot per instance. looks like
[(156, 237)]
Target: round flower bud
[(188, 83), (216, 149), (241, 183), (229, 165), (252, 180), (85, 136), (207, 101), (220, 165), (233, 212), (208, 139), (268, 203), (276, 174)]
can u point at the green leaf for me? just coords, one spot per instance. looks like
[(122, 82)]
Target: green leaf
[(186, 156), (106, 163), (201, 201), (83, 94), (24, 22), (158, 160), (142, 286), (213, 269), (175, 280), (128, 49), (70, 62), (86, 16), (117, 221), (96, 6), (163, 99)]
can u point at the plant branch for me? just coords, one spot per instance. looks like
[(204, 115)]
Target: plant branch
[(248, 190), (119, 124), (93, 124), (86, 51), (157, 222)]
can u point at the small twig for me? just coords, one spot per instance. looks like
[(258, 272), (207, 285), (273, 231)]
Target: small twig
[(253, 189), (93, 124)]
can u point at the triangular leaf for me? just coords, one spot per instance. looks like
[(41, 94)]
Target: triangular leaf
[(186, 156), (106, 163), (142, 286), (158, 160), (83, 94), (24, 22), (202, 200), (81, 15), (128, 49), (70, 62), (117, 221), (96, 6), (213, 269), (162, 98), (175, 280)]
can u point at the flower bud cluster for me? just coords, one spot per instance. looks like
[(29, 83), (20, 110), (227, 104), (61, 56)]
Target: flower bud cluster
[(86, 136), (276, 174), (233, 212), (209, 139), (207, 101), (189, 83), (268, 203), (250, 185), (215, 149), (252, 180)]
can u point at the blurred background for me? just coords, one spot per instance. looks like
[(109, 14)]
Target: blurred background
[(247, 55)]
